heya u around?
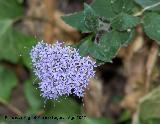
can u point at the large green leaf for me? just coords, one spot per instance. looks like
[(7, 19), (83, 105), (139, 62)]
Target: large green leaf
[(153, 5), (87, 47), (10, 9), (23, 43), (124, 21), (76, 20), (8, 81), (14, 45), (126, 6), (5, 25), (151, 26), (7, 49), (33, 96), (85, 21), (109, 45), (103, 8), (149, 107)]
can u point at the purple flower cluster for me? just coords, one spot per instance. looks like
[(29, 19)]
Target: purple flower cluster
[(61, 70)]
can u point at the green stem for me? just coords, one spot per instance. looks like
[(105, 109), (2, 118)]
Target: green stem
[(146, 8)]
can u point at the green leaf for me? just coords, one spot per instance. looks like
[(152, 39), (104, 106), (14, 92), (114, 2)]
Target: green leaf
[(149, 107), (76, 20), (126, 6), (8, 81), (84, 46), (63, 107), (103, 8), (5, 25), (10, 9), (152, 26), (7, 40), (91, 21), (88, 9), (124, 21), (109, 45), (117, 6), (24, 43), (33, 96), (18, 45), (97, 52), (85, 21), (153, 5)]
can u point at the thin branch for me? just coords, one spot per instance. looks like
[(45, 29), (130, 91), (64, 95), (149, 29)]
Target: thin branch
[(11, 107), (146, 8)]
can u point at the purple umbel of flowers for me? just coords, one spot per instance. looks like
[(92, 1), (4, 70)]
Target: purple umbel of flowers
[(61, 70)]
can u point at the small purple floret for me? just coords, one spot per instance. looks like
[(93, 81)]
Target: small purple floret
[(61, 70)]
